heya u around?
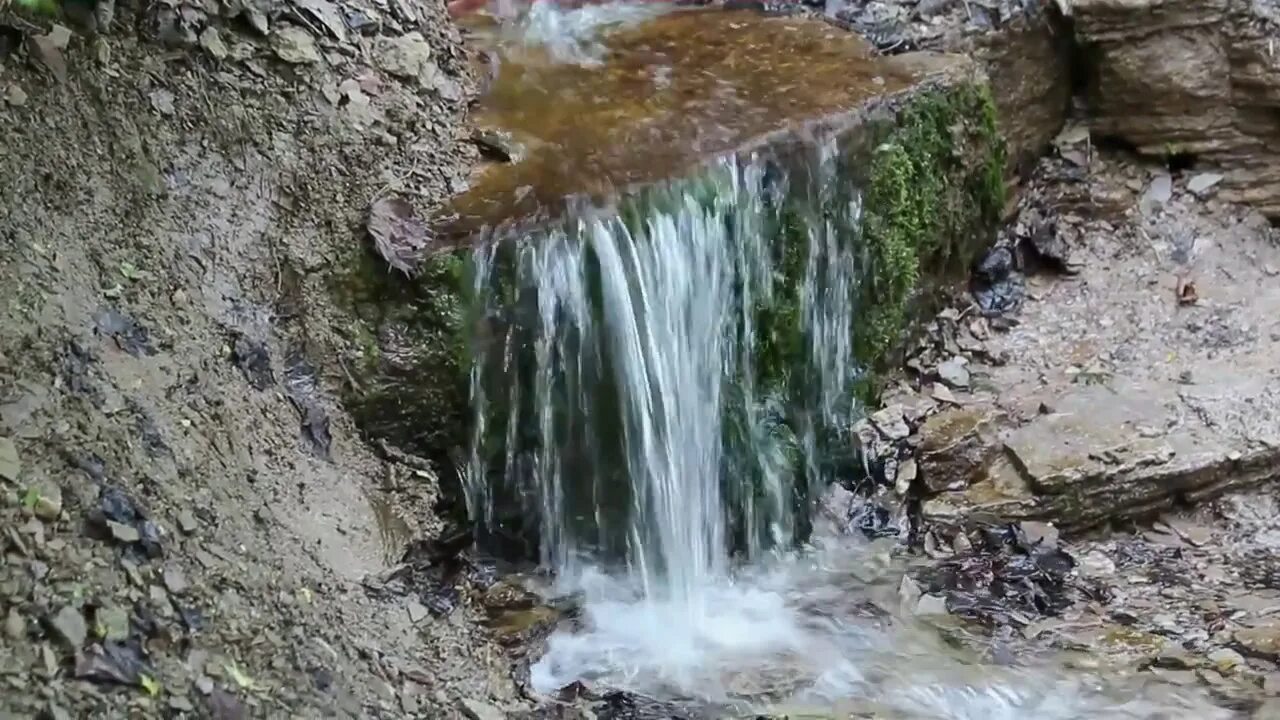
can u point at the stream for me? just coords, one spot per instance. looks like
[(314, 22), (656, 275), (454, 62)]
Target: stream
[(661, 384)]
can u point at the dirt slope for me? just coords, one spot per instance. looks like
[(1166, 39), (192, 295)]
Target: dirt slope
[(179, 488)]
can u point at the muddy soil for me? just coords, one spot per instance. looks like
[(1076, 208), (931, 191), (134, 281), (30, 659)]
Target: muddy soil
[(190, 520)]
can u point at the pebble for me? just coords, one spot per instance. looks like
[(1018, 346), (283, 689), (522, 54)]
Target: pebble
[(175, 580), (908, 471), (49, 502), (932, 605), (891, 423), (1263, 640), (1201, 183), (476, 710), (1040, 533), (123, 533), (1226, 660), (112, 622), (954, 373), (69, 625), (15, 626), (417, 611), (187, 522), (10, 466), (295, 46)]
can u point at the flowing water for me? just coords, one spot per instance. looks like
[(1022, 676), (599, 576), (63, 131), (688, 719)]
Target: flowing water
[(655, 383)]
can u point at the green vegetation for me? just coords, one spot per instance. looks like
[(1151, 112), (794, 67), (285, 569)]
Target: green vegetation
[(936, 190)]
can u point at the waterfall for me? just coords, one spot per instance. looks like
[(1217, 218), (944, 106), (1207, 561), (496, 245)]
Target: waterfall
[(652, 381)]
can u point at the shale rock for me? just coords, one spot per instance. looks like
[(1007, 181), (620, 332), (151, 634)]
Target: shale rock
[(1197, 79), (956, 445)]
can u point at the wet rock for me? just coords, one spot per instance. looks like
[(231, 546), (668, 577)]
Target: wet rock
[(300, 388), (10, 465), (908, 471), (295, 46), (254, 361), (955, 445), (1261, 641), (954, 372), (931, 605), (1226, 660), (996, 285), (891, 423), (69, 625), (128, 335), (909, 594)]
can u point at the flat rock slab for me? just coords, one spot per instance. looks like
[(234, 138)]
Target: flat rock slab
[(667, 94), (1125, 400)]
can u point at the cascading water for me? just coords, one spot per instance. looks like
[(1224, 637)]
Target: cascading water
[(639, 420)]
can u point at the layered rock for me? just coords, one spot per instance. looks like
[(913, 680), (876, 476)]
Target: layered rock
[(1194, 80)]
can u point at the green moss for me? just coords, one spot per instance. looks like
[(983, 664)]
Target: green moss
[(934, 194), (406, 333)]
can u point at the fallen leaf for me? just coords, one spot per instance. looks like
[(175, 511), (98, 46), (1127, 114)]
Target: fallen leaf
[(398, 234), (241, 679), (1186, 291)]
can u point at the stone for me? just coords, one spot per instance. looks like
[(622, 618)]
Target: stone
[(69, 625), (15, 96), (15, 625), (1042, 534), (891, 423), (112, 623), (942, 394), (1268, 710), (1261, 641), (187, 522), (908, 471), (476, 710), (955, 445), (417, 611), (175, 580), (953, 372), (122, 533), (1096, 564), (1158, 193), (295, 46), (931, 605), (1226, 660), (407, 56), (909, 594), (1201, 183), (48, 505), (10, 466), (212, 43)]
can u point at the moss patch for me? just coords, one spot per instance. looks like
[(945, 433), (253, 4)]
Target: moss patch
[(934, 196), (409, 353)]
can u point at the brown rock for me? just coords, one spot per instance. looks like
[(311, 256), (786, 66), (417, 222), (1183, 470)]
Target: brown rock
[(1261, 641), (1189, 76), (956, 445)]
